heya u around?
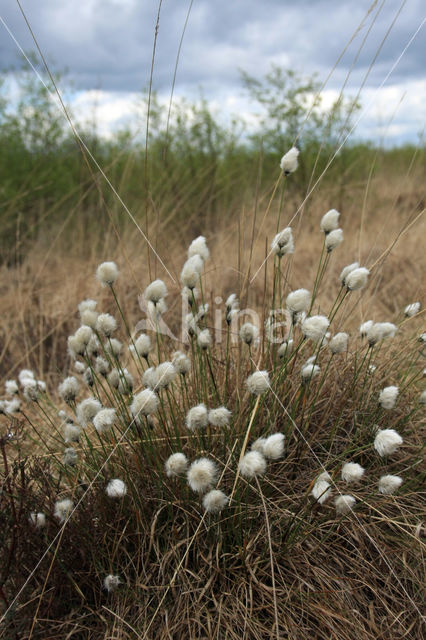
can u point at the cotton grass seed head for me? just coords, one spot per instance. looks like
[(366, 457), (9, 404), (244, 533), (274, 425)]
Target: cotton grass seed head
[(199, 247), (63, 509), (11, 387), (365, 328), (197, 417), (258, 445), (142, 345), (191, 271), (347, 270), (285, 348), (380, 331), (176, 465), (68, 389), (71, 432), (283, 242), (204, 339), (114, 378), (388, 396), (288, 163), (89, 318), (330, 221), (116, 488), (156, 291), (248, 333), (339, 343), (321, 491), (114, 347), (298, 300), (219, 417), (104, 420), (165, 374), (106, 324), (70, 457), (344, 504), (352, 472), (273, 447), (181, 363), (38, 520), (202, 475), (107, 273), (111, 583), (85, 305), (388, 484), (333, 239), (214, 501), (315, 327), (387, 442), (412, 309), (357, 279), (252, 464), (258, 382), (144, 403), (309, 371)]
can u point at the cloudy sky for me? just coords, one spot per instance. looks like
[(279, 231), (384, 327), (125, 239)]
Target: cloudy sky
[(107, 45)]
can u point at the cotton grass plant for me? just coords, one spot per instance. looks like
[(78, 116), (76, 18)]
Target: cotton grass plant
[(217, 454)]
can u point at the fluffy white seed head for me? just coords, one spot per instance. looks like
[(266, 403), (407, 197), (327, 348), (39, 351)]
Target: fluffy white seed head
[(379, 331), (126, 382), (330, 221), (347, 270), (149, 378), (63, 509), (104, 420), (114, 378), (344, 504), (191, 271), (71, 432), (387, 441), (114, 347), (333, 239), (38, 520), (412, 309), (25, 374), (176, 465), (214, 501), (288, 163), (106, 324), (142, 345), (273, 447), (219, 417), (156, 291), (252, 464), (181, 362), (144, 403), (68, 389), (79, 342), (258, 445), (165, 374), (365, 328), (249, 332), (11, 387), (388, 396), (11, 406), (321, 490), (89, 318), (339, 343), (116, 488), (204, 339), (258, 382), (107, 273), (389, 484), (352, 472), (357, 279), (283, 242), (315, 327), (111, 583), (309, 371), (70, 456), (199, 247), (285, 348), (298, 300), (197, 417), (87, 305), (189, 295), (202, 475)]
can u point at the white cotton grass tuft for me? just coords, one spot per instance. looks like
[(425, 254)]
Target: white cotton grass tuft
[(71, 432), (283, 242), (111, 583), (11, 406), (149, 378), (144, 403), (309, 371), (38, 520), (258, 382), (89, 318), (202, 475), (321, 490), (106, 324), (199, 247), (365, 328), (412, 309), (357, 279), (63, 509), (387, 441), (87, 305), (204, 339), (352, 472), (298, 300), (79, 342), (258, 445), (126, 382), (289, 163), (333, 239), (330, 221), (315, 327), (156, 291), (380, 331), (388, 484), (107, 273), (68, 389), (176, 465), (197, 417), (252, 464), (165, 374), (344, 504), (116, 488), (232, 308), (70, 457), (181, 363), (11, 387), (339, 343), (249, 333), (219, 417), (104, 420), (114, 347), (347, 270), (191, 271), (214, 501), (273, 446), (388, 396), (285, 348), (114, 378)]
